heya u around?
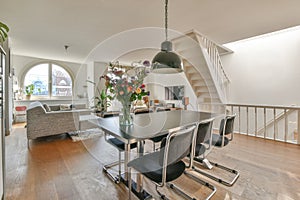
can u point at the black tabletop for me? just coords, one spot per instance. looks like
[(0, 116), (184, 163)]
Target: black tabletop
[(149, 125)]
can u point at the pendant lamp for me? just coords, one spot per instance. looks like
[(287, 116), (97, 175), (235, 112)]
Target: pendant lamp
[(166, 61)]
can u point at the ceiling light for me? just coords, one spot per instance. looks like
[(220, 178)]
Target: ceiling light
[(166, 61), (66, 48)]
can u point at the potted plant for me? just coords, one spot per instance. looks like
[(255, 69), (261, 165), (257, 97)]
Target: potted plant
[(3, 32), (29, 91), (102, 101)]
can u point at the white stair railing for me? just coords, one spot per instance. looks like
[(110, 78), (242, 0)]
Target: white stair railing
[(280, 123), (217, 67), (212, 58)]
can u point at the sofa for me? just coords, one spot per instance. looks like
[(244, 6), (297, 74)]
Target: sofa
[(45, 120)]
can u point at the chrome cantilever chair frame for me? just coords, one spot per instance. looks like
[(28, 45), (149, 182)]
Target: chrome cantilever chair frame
[(233, 171), (209, 123), (183, 130), (106, 167)]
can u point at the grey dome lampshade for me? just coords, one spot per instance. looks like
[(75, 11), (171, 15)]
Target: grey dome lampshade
[(166, 61)]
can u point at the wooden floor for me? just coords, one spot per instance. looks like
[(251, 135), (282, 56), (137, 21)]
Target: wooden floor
[(57, 168)]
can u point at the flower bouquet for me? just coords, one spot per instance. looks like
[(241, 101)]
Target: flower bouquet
[(127, 86)]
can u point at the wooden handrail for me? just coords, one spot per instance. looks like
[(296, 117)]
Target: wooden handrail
[(265, 106), (273, 122), (270, 123)]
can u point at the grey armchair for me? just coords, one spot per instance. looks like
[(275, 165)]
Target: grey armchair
[(42, 123)]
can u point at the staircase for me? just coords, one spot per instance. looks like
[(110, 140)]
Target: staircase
[(274, 122), (203, 68)]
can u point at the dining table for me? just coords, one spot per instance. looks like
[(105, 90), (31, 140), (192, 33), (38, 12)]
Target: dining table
[(147, 126)]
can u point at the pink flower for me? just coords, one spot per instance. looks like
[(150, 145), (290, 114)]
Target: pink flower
[(129, 89), (121, 93), (118, 73), (146, 63)]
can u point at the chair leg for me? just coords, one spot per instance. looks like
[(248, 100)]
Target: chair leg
[(218, 179), (206, 184), (129, 183), (162, 196), (153, 143), (180, 191), (120, 165), (106, 170), (204, 162)]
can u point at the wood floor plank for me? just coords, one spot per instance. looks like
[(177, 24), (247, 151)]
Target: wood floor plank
[(57, 168)]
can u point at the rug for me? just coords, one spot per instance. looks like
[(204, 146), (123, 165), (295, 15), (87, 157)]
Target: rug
[(86, 134)]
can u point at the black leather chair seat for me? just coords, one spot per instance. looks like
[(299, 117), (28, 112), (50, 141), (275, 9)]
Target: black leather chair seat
[(119, 144), (148, 166), (200, 149), (217, 140), (158, 138)]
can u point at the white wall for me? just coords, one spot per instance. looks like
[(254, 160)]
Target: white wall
[(266, 69), (94, 71), (77, 70)]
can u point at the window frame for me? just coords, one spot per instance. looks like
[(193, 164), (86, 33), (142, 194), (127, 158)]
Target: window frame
[(49, 96)]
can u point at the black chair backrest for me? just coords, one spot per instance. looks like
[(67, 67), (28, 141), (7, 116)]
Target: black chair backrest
[(163, 109), (204, 131), (229, 125), (107, 115), (176, 146), (137, 112)]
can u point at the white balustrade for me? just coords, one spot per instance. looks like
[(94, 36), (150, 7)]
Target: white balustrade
[(280, 123)]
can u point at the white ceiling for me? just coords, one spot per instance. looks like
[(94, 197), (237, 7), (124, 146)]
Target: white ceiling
[(41, 28)]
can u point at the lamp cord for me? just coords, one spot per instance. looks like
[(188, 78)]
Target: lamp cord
[(166, 19)]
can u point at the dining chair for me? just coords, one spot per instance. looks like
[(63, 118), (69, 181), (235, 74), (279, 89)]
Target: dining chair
[(221, 140), (163, 109), (204, 132), (166, 165), (158, 139), (142, 111), (120, 146)]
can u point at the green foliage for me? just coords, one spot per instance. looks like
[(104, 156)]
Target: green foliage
[(102, 99), (139, 93), (29, 89), (3, 32)]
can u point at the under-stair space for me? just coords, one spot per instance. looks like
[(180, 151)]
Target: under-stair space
[(203, 68)]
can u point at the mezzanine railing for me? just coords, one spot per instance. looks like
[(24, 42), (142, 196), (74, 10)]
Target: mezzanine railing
[(280, 123)]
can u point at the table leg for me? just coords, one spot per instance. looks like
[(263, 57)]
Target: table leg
[(139, 177), (126, 160)]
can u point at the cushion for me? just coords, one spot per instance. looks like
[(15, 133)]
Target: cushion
[(47, 107), (65, 107)]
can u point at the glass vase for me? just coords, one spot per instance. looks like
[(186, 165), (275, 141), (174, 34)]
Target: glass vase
[(126, 116)]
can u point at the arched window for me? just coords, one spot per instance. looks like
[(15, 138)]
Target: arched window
[(49, 80)]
